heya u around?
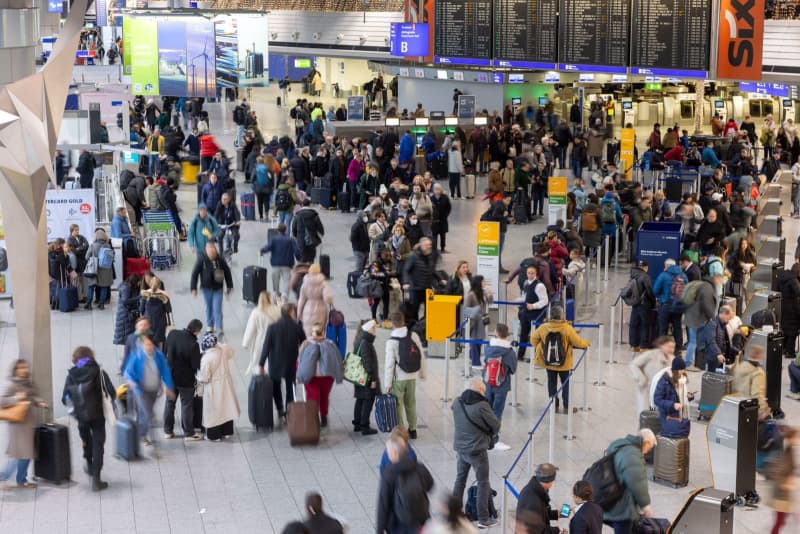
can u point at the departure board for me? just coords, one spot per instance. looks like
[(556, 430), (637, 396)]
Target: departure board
[(463, 32), (593, 35), (526, 33), (670, 37)]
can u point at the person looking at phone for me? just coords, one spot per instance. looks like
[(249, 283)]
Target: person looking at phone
[(587, 516), (535, 498)]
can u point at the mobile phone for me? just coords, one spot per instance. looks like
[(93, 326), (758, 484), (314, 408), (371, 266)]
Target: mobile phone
[(565, 510)]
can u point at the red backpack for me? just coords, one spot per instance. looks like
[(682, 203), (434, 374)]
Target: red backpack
[(495, 373)]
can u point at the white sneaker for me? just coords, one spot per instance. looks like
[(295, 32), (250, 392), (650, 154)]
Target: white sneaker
[(193, 437), (793, 396), (500, 446)]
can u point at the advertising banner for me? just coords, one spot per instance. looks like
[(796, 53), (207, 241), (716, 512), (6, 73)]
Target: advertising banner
[(128, 29), (227, 51), (200, 52), (355, 108), (626, 152), (143, 48), (741, 40), (466, 106), (69, 206), (488, 260), (172, 57), (656, 242)]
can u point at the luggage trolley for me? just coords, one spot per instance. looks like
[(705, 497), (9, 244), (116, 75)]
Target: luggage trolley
[(161, 242)]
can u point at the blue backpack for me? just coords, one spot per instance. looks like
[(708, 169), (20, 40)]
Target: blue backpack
[(105, 258)]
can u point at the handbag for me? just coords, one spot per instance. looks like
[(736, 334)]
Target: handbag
[(91, 266), (170, 324), (335, 317), (354, 371), (485, 319), (109, 407), (16, 413)]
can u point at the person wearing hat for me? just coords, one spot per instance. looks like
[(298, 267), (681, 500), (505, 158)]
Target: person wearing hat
[(631, 471), (364, 346), (672, 400), (202, 228), (535, 497), (220, 406)]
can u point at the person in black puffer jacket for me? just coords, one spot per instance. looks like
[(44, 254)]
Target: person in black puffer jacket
[(364, 345), (419, 274), (91, 420)]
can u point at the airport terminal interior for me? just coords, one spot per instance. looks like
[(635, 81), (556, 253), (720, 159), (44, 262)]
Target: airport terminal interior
[(607, 69)]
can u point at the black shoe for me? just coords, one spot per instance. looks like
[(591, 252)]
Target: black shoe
[(368, 431), (101, 306), (323, 421), (356, 428), (87, 307), (412, 434), (98, 485)]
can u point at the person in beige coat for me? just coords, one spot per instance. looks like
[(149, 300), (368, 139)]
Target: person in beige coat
[(220, 405), (316, 298), (21, 447), (263, 315), (648, 364)]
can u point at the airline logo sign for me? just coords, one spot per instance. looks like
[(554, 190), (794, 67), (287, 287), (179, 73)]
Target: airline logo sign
[(741, 39)]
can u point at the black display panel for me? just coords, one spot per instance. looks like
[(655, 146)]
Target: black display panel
[(593, 35), (670, 37), (463, 32), (526, 33)]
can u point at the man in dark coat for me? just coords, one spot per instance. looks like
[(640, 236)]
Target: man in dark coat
[(359, 240), (535, 497), (441, 211), (183, 356), (419, 274), (281, 346), (392, 517), (85, 168), (642, 310), (307, 230), (318, 521)]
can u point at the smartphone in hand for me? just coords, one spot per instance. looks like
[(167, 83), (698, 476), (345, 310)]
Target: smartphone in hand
[(565, 510)]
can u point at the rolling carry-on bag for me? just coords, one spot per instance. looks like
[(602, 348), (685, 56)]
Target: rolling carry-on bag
[(302, 422), (471, 185), (259, 402), (386, 412), (714, 387), (248, 204), (420, 166), (67, 299), (254, 281), (671, 461), (325, 265), (127, 436), (343, 199), (53, 462), (649, 419), (352, 283)]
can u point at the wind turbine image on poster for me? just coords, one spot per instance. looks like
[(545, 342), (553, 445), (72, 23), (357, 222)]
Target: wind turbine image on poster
[(206, 60)]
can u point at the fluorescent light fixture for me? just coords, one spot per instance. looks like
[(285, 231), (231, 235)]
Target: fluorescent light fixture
[(392, 121), (481, 121), (421, 121), (451, 121)]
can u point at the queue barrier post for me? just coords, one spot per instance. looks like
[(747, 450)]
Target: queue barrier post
[(446, 398), (605, 259), (531, 459), (552, 442), (613, 311), (570, 436), (586, 276), (467, 349), (585, 402), (601, 338), (514, 386), (503, 505)]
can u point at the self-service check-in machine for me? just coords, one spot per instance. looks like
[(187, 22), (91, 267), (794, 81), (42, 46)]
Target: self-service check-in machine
[(732, 438), (707, 511)]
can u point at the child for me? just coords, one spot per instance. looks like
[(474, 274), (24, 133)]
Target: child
[(574, 271)]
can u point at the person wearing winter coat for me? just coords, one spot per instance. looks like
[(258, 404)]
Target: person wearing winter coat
[(267, 312), (281, 347), (183, 357), (360, 240), (79, 244), (318, 366), (641, 310), (21, 448), (750, 379), (403, 384), (449, 519), (99, 285), (648, 364), (281, 259), (127, 309), (390, 519), (441, 212), (631, 471), (85, 169), (672, 400), (714, 343), (120, 228), (789, 287), (154, 303), (314, 300), (662, 289), (455, 169), (700, 295), (782, 472), (220, 405), (377, 232), (307, 230), (534, 499), (570, 338), (500, 347), (474, 429), (212, 192), (202, 228), (213, 274), (476, 307), (318, 521), (364, 346), (91, 417)]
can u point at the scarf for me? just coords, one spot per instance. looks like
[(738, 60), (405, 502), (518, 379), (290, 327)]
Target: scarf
[(683, 397)]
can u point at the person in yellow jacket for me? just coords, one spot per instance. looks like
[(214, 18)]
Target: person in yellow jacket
[(156, 152), (553, 342)]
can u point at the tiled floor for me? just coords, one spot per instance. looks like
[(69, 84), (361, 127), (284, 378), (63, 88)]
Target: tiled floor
[(256, 482)]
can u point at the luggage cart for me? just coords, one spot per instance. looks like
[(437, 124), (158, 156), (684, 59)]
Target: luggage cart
[(161, 242)]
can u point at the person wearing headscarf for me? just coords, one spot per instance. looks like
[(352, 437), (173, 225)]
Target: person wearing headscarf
[(220, 406)]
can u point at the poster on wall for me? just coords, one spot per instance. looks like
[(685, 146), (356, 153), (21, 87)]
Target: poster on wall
[(241, 51), (66, 207), (227, 51), (143, 55), (172, 57), (200, 51)]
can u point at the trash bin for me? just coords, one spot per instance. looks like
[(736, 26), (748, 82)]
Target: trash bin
[(190, 165)]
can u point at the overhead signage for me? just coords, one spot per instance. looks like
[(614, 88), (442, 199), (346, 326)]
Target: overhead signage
[(475, 62), (463, 32), (677, 73), (466, 106), (586, 77), (526, 34), (600, 69), (552, 77), (408, 39), (627, 148), (101, 13), (773, 89), (55, 6), (498, 77), (619, 78), (741, 39), (594, 32)]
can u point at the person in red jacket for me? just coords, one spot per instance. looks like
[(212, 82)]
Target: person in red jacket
[(208, 147), (558, 251), (674, 154)]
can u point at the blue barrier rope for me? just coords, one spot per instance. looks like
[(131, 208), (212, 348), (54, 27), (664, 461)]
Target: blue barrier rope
[(512, 489), (459, 329)]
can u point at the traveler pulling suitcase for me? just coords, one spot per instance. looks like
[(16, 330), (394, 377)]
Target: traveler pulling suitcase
[(470, 183), (649, 419), (53, 462), (714, 387), (254, 281), (248, 203), (259, 402), (671, 461), (386, 412), (302, 422)]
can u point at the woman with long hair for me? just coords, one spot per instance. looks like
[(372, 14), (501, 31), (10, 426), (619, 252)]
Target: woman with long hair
[(476, 308), (127, 309), (450, 518), (264, 314), (155, 305), (672, 399)]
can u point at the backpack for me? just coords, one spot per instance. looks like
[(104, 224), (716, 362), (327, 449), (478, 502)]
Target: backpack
[(676, 290), (538, 239), (705, 267), (125, 178), (238, 115), (283, 200), (471, 508), (589, 221), (495, 373), (555, 353), (690, 292), (608, 215), (263, 178), (631, 294), (410, 499), (105, 258), (409, 358), (763, 317), (86, 402), (603, 477)]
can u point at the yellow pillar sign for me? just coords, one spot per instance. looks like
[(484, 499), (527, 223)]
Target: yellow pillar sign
[(557, 190), (626, 152), (488, 233)]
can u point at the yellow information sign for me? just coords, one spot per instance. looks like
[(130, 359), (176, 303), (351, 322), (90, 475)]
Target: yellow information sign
[(626, 151), (557, 190), (488, 233), (440, 311)]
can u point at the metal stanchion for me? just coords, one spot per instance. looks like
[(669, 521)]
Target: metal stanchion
[(503, 505), (605, 260), (617, 239), (585, 403), (613, 328), (446, 398), (621, 321), (467, 349), (502, 312), (570, 436), (552, 445), (600, 340), (531, 460), (586, 281), (514, 386)]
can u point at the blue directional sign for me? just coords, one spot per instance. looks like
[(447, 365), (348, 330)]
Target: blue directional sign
[(55, 6), (774, 89), (408, 39)]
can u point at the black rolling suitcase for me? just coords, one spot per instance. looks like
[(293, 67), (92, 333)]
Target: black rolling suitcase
[(325, 265), (53, 461), (343, 199), (649, 419), (254, 281), (352, 283), (714, 387), (259, 402)]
